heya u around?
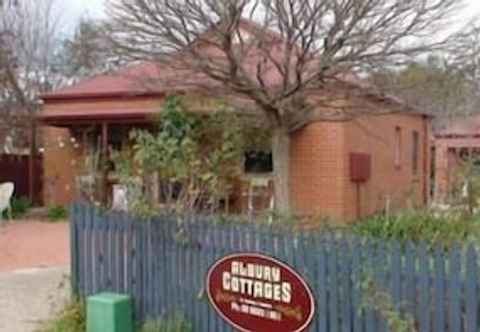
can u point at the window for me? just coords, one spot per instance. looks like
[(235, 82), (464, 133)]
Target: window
[(398, 147), (415, 151), (258, 162)]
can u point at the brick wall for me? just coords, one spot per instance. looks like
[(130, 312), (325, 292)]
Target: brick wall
[(395, 185), (320, 173), (60, 164), (317, 167)]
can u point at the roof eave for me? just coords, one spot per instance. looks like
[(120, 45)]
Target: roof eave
[(106, 95)]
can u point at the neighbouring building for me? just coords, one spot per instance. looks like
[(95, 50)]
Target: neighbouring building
[(345, 167), (455, 140)]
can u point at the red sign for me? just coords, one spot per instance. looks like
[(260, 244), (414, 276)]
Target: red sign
[(257, 293)]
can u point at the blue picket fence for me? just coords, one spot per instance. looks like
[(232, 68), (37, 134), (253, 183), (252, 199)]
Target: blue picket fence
[(163, 263)]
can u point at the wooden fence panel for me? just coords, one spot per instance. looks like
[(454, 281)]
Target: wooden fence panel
[(454, 290), (439, 291), (163, 266), (424, 306), (471, 290), (409, 275)]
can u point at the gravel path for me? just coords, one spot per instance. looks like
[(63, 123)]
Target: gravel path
[(30, 296), (34, 259)]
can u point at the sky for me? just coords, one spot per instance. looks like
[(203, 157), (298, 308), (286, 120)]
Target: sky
[(75, 9), (79, 8)]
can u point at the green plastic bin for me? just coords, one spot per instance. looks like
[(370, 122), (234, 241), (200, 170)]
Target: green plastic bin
[(108, 312)]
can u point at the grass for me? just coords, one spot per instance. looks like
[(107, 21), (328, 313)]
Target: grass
[(57, 212), (176, 324), (19, 207), (71, 319), (420, 226)]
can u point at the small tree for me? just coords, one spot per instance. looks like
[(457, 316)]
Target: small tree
[(195, 158), (286, 52)]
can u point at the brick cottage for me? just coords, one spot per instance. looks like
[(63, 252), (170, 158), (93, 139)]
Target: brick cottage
[(346, 167)]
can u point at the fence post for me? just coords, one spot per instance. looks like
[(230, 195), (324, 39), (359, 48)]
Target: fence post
[(454, 290), (471, 290), (424, 289), (74, 209), (439, 283)]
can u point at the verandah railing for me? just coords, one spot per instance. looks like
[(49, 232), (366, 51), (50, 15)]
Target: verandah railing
[(163, 263)]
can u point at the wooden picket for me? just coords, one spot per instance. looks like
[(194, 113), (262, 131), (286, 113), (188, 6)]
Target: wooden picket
[(162, 264)]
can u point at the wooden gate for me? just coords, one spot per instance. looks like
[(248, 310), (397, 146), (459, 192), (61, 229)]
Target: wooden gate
[(15, 169)]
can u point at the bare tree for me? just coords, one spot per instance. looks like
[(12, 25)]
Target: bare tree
[(437, 86), (87, 51), (277, 54), (29, 31), (464, 54)]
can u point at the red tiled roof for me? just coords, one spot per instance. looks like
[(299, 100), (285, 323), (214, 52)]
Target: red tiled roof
[(123, 82), (149, 78)]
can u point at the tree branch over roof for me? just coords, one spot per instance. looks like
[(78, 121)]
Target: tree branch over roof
[(294, 61), (277, 52)]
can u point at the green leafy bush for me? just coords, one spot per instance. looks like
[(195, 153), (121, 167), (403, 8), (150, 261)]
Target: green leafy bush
[(417, 226), (57, 212), (176, 324), (71, 319), (189, 163), (19, 206)]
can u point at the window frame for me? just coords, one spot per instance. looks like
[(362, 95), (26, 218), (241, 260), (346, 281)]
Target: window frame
[(398, 148), (415, 151)]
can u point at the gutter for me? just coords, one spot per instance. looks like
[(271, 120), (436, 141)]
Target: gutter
[(105, 95)]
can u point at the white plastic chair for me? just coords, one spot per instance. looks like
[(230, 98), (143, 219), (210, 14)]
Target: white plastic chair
[(120, 198), (6, 193)]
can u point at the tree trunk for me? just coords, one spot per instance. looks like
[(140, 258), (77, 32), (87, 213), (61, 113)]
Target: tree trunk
[(32, 177), (281, 167)]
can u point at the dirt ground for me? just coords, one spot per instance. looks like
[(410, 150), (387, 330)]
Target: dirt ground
[(34, 284)]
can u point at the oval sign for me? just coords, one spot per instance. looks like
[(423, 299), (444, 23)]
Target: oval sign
[(257, 293)]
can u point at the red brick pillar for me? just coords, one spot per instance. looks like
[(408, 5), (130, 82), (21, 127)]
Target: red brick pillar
[(441, 172)]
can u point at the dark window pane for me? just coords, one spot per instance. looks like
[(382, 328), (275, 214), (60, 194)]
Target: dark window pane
[(258, 162), (415, 152)]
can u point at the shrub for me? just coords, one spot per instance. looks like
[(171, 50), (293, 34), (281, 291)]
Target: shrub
[(71, 319), (176, 324), (190, 162), (57, 212), (19, 207), (417, 226)]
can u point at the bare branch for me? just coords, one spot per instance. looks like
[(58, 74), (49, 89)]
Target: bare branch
[(282, 56), (288, 47)]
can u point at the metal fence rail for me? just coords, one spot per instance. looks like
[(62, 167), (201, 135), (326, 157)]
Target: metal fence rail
[(163, 265)]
